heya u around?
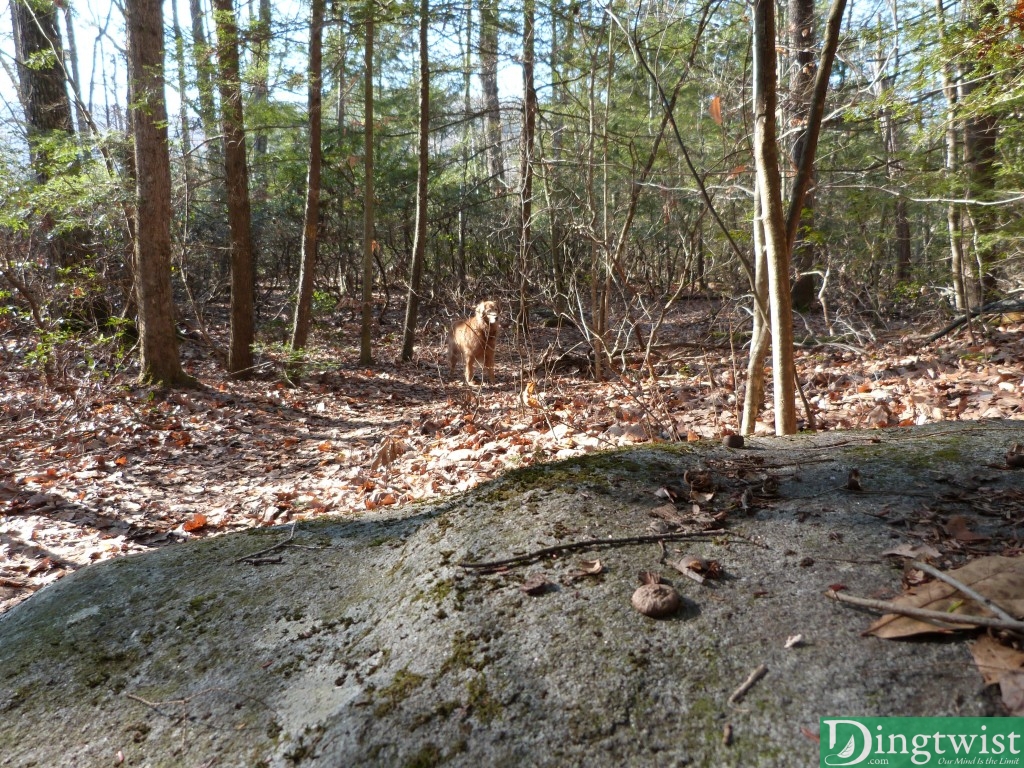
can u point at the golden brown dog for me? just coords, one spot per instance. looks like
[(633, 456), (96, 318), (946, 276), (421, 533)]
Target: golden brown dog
[(475, 339)]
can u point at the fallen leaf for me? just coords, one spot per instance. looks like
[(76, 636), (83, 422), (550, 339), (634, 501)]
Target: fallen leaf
[(389, 450), (1004, 665), (536, 584), (914, 551), (195, 522), (957, 527), (667, 512), (878, 417), (1000, 579)]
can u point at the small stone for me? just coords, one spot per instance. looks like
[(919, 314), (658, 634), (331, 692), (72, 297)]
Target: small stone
[(733, 441)]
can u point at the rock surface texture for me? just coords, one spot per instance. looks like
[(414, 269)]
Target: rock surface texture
[(364, 642)]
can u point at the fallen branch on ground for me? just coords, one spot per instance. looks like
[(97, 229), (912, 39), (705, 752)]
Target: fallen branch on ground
[(941, 619), (251, 557), (529, 557)]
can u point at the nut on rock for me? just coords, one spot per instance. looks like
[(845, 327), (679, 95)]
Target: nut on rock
[(656, 600)]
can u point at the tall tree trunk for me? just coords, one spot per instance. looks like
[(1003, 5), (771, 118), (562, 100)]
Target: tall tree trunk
[(952, 167), (369, 243), (489, 15), (769, 183), (980, 133), (816, 111), (753, 397), (526, 172), (159, 361), (802, 41), (419, 245), (202, 55), (42, 86), (261, 36), (459, 267), (311, 219), (596, 339), (236, 175), (74, 79), (893, 163), (186, 133), (559, 97)]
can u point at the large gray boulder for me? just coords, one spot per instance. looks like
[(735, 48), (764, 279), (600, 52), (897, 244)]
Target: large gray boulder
[(362, 641)]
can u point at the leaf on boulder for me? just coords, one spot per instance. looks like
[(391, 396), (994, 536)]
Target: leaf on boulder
[(1000, 579), (914, 551), (1004, 665), (537, 584), (667, 512), (957, 527)]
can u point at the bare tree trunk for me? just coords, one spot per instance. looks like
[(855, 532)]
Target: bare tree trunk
[(42, 86), (893, 163), (802, 41), (74, 79), (753, 397), (419, 243), (236, 174), (260, 37), (980, 132), (596, 340), (816, 111), (365, 341), (459, 267), (311, 218), (489, 15), (186, 133), (769, 182), (526, 195), (953, 219), (159, 361), (202, 53)]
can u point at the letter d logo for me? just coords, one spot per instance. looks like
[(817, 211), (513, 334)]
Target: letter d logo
[(845, 755)]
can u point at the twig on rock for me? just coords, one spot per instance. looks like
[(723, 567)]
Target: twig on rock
[(940, 618), (250, 558), (971, 593), (529, 557), (752, 678)]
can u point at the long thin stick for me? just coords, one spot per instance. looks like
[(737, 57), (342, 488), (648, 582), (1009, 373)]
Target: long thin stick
[(752, 678), (944, 619), (971, 593), (529, 557), (291, 535)]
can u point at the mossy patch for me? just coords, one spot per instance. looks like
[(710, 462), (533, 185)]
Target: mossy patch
[(480, 701), (428, 756), (399, 689)]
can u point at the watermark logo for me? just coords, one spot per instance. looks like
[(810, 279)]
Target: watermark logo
[(911, 742)]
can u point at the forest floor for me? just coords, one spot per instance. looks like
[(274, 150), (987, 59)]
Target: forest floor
[(92, 469)]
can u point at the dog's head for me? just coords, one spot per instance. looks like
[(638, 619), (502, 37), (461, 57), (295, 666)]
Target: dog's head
[(487, 311)]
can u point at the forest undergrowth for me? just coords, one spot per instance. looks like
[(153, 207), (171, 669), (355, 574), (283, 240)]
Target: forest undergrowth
[(94, 466)]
